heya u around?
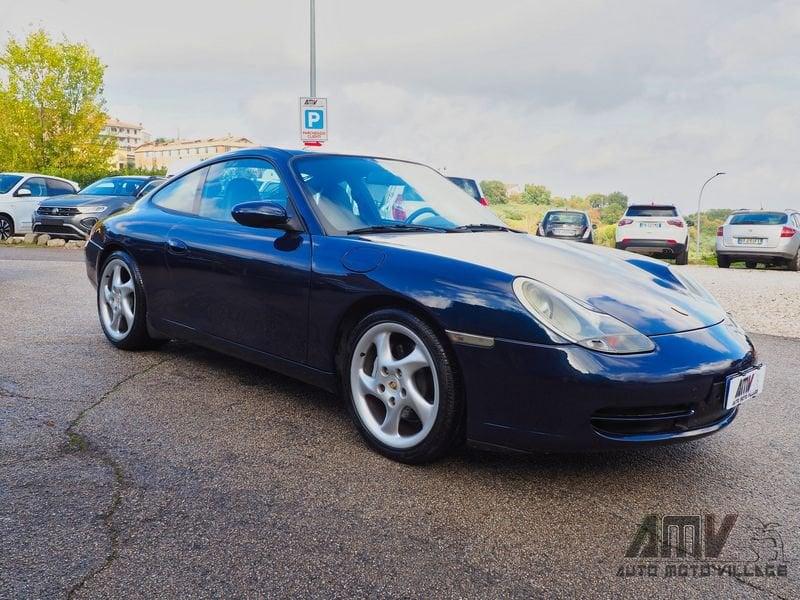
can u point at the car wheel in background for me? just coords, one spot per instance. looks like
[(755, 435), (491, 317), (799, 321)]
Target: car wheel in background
[(723, 262), (6, 227), (401, 388), (682, 258), (751, 264), (794, 263), (121, 304)]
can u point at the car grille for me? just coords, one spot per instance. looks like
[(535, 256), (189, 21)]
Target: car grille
[(66, 211), (57, 230), (625, 421)]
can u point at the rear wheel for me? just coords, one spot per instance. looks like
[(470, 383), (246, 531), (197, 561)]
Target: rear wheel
[(401, 389), (6, 227), (794, 263), (121, 304), (682, 258), (750, 264), (723, 262)]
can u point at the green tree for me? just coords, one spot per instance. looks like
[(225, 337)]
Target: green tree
[(611, 213), (536, 194), (617, 199), (495, 191), (51, 106)]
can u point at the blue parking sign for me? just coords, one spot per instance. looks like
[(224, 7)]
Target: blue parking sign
[(313, 120)]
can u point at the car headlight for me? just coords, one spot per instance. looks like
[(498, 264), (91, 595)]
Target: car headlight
[(577, 323), (91, 210)]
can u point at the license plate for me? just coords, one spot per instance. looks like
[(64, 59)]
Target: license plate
[(750, 241), (650, 225), (563, 231), (744, 386), (52, 222)]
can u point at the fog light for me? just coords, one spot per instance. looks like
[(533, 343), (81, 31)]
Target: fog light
[(89, 223)]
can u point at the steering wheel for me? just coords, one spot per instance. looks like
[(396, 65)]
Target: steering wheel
[(420, 211)]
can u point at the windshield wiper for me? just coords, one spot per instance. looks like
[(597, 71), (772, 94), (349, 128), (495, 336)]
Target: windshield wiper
[(484, 227), (397, 227)]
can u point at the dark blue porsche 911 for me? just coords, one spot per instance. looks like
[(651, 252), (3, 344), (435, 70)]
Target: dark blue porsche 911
[(381, 279)]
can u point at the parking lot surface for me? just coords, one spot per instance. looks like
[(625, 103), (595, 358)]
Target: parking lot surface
[(185, 473)]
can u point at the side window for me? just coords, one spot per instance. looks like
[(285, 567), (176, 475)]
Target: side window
[(59, 188), (181, 195), (237, 181), (36, 185)]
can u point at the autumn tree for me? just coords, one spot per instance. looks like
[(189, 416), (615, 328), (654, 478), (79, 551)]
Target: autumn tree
[(51, 106)]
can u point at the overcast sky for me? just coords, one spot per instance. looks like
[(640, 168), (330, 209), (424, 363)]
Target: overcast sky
[(643, 96)]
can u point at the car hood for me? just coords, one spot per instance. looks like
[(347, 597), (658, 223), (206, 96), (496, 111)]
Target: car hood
[(640, 291), (83, 200)]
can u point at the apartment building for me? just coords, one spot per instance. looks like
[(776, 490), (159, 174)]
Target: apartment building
[(128, 136), (174, 154)]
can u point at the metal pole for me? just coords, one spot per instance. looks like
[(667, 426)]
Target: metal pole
[(313, 54), (699, 201)]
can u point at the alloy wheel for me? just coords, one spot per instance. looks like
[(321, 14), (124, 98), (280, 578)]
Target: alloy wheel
[(394, 385), (5, 228), (117, 299)]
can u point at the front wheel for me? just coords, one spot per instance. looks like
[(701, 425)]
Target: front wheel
[(401, 388), (6, 227), (121, 304)]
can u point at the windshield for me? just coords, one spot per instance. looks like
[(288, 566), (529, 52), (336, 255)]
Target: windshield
[(7, 182), (114, 186), (765, 218), (350, 193), (565, 218)]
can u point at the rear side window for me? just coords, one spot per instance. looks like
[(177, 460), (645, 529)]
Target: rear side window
[(468, 185), (36, 185), (651, 211), (59, 188), (760, 218), (236, 182), (181, 195), (7, 182)]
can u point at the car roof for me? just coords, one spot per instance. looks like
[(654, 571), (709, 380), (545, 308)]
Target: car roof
[(651, 206)]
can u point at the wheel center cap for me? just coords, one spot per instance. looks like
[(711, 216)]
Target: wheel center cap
[(393, 384)]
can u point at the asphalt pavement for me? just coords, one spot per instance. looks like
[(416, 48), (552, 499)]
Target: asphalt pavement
[(184, 473)]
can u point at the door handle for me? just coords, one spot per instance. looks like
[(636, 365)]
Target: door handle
[(176, 246)]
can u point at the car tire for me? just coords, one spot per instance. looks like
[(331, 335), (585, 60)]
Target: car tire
[(401, 387), (6, 227), (121, 304), (794, 263), (723, 262), (682, 258), (751, 264)]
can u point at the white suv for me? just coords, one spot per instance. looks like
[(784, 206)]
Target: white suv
[(20, 195), (654, 229)]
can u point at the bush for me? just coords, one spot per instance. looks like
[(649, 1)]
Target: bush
[(605, 235)]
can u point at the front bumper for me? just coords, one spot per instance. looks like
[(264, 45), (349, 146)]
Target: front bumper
[(73, 227), (566, 398)]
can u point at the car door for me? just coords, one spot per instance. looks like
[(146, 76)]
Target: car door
[(23, 206), (245, 285)]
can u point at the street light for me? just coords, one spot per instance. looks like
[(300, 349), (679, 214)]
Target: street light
[(699, 201)]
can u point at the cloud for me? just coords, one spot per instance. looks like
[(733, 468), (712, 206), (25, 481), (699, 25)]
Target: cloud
[(583, 96)]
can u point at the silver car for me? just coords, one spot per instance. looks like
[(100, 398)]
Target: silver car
[(759, 236)]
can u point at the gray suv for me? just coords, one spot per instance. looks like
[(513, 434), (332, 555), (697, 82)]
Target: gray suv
[(74, 215), (758, 236)]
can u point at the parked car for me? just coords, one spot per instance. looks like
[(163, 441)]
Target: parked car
[(656, 230), (571, 225), (20, 195), (472, 187), (757, 236), (438, 326), (73, 216)]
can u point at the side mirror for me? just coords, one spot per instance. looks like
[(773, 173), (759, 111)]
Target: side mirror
[(594, 225), (23, 192), (261, 214)]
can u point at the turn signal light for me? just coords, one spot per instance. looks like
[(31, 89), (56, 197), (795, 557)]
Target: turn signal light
[(787, 232), (623, 222)]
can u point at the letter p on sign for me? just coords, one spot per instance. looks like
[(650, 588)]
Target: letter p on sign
[(315, 119)]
